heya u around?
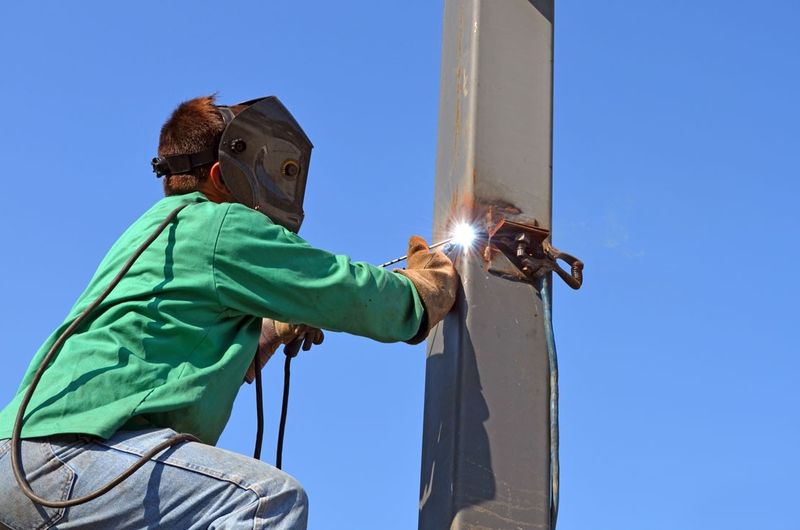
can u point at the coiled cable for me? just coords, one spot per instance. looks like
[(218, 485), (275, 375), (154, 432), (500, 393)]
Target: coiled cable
[(16, 437)]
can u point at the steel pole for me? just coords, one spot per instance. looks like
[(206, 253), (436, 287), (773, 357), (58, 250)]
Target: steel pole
[(486, 435)]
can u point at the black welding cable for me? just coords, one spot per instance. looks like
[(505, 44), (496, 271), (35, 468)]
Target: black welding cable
[(16, 437), (291, 351), (259, 411), (287, 367)]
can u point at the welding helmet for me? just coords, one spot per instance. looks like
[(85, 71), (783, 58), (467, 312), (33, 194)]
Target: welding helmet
[(263, 156)]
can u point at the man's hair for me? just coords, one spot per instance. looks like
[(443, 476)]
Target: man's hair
[(195, 125)]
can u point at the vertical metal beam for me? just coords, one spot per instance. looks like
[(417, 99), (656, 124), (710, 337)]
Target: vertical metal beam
[(486, 440)]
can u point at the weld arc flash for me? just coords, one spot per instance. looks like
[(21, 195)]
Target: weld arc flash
[(263, 156)]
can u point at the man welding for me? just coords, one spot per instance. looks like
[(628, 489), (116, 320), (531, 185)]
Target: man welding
[(115, 421)]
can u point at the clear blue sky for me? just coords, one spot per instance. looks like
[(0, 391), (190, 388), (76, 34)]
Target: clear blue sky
[(676, 180)]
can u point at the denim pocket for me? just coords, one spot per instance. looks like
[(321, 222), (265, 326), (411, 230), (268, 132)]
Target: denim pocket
[(48, 477)]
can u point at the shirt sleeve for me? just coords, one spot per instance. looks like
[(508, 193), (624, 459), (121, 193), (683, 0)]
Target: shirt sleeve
[(263, 270)]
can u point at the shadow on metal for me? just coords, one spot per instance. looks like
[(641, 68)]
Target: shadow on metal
[(452, 352), (545, 7)]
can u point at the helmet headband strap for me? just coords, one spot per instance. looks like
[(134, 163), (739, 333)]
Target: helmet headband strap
[(180, 164)]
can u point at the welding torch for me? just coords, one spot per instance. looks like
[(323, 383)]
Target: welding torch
[(462, 236), (448, 248)]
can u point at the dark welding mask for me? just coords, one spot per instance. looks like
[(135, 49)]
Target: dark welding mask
[(263, 156)]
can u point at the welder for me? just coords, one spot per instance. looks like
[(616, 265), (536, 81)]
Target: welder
[(191, 300)]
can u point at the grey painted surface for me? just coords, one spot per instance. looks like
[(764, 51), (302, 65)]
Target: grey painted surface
[(485, 462)]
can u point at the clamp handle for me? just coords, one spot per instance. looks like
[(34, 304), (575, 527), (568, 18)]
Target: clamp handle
[(574, 278)]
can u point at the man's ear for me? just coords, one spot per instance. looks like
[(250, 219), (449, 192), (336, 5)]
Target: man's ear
[(215, 176)]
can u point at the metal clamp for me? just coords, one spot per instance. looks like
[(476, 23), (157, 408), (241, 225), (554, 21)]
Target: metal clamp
[(528, 251)]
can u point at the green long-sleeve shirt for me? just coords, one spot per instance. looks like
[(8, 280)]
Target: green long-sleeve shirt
[(172, 342)]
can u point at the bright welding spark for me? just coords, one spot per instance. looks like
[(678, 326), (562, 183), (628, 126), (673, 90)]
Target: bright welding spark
[(463, 235)]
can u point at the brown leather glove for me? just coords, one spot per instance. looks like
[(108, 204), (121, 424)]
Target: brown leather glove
[(436, 281), (275, 333)]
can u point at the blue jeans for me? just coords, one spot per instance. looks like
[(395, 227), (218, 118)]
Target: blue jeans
[(191, 486)]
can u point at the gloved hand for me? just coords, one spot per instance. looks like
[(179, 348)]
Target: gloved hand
[(275, 333), (436, 281)]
